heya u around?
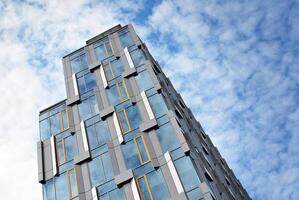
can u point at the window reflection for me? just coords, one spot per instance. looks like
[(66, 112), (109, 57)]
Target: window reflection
[(79, 63)]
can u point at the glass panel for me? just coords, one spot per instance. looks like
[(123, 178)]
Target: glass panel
[(96, 171), (73, 183), (117, 67), (65, 121), (102, 131), (100, 52), (167, 137), (48, 190), (60, 152), (143, 188), (157, 185), (108, 71), (137, 57), (158, 105), (79, 63), (61, 187), (142, 149), (107, 166), (108, 46), (123, 90), (126, 39), (55, 124), (117, 194), (123, 121), (131, 155), (81, 84), (93, 106), (144, 81), (84, 109), (70, 147), (133, 117), (90, 81), (92, 137), (44, 127), (113, 95), (187, 173), (194, 194)]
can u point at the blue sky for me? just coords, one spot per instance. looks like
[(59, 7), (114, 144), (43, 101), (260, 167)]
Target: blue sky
[(234, 62)]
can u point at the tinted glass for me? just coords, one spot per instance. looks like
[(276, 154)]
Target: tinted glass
[(133, 116), (90, 81), (61, 186), (113, 95), (84, 109), (131, 155), (158, 105), (55, 124), (137, 57), (167, 137), (126, 39), (142, 149), (73, 183), (117, 194), (143, 189), (102, 132), (64, 120), (60, 152), (194, 194), (143, 80), (70, 147), (157, 185), (122, 118), (100, 52), (44, 127), (48, 190), (79, 63), (117, 67)]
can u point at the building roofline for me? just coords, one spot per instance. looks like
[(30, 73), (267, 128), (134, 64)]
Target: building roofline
[(52, 106)]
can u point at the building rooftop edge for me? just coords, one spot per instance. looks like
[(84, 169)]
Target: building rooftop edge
[(51, 106)]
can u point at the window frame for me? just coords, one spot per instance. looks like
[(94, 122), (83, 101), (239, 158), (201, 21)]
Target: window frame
[(61, 121), (104, 43), (63, 152), (147, 187), (126, 119), (142, 162), (69, 183)]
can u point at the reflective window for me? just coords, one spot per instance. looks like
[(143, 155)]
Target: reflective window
[(152, 186), (129, 119), (72, 183), (98, 134), (80, 63), (144, 81), (61, 187), (100, 169), (135, 152), (48, 190), (86, 82), (158, 105), (118, 93), (126, 39), (113, 69), (103, 49), (187, 173), (55, 123), (167, 137), (137, 57), (117, 194), (88, 108), (66, 149), (44, 128)]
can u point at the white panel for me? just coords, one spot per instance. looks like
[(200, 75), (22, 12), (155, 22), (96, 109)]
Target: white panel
[(84, 136), (103, 77), (75, 84), (117, 128), (129, 59), (134, 189), (53, 153), (174, 173), (147, 105), (94, 193)]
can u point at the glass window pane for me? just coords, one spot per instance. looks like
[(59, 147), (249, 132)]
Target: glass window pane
[(144, 81), (48, 190), (123, 91), (70, 147), (134, 117), (107, 166), (157, 185), (187, 173), (81, 84), (108, 71), (90, 81), (84, 109), (167, 137), (142, 149), (61, 186), (158, 105), (117, 194), (122, 118), (44, 127), (96, 171), (137, 57), (79, 63), (100, 52), (102, 132), (93, 105), (60, 152), (131, 155), (92, 137), (73, 183), (65, 120), (126, 39), (117, 67), (143, 189), (108, 46), (113, 95), (194, 194), (55, 124)]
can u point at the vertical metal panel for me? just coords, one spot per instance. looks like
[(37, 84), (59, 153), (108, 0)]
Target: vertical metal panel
[(147, 105), (75, 84), (117, 128), (53, 153), (103, 76), (129, 59), (134, 189), (174, 173), (84, 136)]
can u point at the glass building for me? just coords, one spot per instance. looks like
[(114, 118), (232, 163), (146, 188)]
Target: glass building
[(124, 133)]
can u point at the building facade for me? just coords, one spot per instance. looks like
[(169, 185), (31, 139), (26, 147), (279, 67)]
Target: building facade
[(125, 133)]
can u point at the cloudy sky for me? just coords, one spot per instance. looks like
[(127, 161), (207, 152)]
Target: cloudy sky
[(235, 63)]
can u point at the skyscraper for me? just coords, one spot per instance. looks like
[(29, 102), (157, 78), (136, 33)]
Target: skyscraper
[(125, 133)]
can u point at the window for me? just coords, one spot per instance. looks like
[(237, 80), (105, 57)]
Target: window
[(72, 183), (104, 49), (86, 82), (117, 194), (118, 93), (79, 63), (136, 152), (137, 57), (129, 119), (126, 39), (54, 124), (158, 105), (61, 187), (88, 108), (98, 134), (100, 169), (66, 149), (48, 190), (144, 81), (151, 186), (167, 137), (113, 69)]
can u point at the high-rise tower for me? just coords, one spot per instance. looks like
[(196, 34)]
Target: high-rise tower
[(125, 133)]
